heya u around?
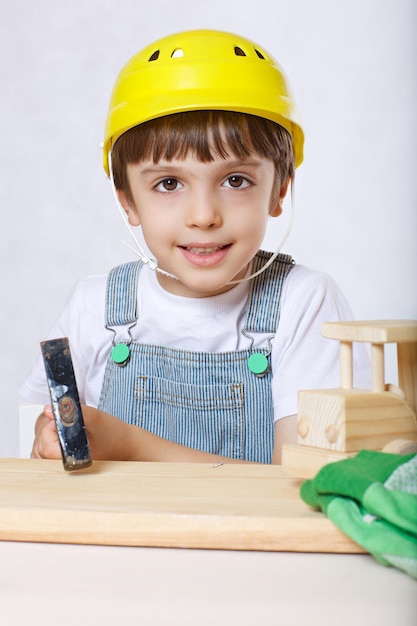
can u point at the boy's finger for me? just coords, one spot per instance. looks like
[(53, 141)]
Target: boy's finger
[(47, 410)]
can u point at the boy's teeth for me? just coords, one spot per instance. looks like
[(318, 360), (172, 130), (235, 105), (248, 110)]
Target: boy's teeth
[(204, 250)]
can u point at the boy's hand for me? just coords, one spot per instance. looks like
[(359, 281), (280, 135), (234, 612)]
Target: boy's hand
[(109, 438), (46, 443)]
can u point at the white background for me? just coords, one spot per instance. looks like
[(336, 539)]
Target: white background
[(352, 67)]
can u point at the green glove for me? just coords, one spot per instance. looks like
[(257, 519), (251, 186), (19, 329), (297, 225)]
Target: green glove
[(372, 497)]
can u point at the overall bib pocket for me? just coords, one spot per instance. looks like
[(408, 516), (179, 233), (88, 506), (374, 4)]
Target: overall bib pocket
[(207, 417)]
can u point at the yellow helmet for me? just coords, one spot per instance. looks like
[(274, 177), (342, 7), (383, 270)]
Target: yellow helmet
[(201, 70)]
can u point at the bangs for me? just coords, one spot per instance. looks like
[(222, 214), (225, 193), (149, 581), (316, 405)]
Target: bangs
[(205, 135), (201, 133)]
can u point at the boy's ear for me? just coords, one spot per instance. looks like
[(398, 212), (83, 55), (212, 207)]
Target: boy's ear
[(277, 199), (129, 207)]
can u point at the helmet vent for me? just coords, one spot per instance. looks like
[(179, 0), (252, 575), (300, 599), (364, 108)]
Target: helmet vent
[(154, 56), (178, 52), (239, 52), (260, 55)]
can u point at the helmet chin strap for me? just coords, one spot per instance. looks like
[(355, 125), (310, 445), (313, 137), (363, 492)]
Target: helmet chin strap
[(153, 264), (280, 245)]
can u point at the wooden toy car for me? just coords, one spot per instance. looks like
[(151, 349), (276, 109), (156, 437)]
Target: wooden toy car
[(336, 423)]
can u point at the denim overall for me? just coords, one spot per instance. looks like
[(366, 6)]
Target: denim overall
[(207, 401)]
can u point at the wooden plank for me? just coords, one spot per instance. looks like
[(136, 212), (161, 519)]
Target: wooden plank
[(306, 461), (239, 507), (372, 331)]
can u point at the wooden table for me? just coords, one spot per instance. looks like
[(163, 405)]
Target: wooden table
[(45, 584)]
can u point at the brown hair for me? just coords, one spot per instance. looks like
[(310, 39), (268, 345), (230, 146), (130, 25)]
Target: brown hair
[(202, 133)]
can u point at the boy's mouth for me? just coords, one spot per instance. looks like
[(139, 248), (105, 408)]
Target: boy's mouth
[(205, 255)]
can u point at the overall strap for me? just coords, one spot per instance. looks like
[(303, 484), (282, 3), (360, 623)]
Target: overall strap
[(264, 304), (121, 294)]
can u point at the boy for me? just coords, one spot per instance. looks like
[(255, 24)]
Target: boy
[(199, 353)]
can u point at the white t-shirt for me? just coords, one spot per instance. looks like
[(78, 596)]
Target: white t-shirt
[(301, 358)]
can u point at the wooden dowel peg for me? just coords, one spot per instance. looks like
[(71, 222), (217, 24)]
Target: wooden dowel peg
[(378, 367), (346, 365)]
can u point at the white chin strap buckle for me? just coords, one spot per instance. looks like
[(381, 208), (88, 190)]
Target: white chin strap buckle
[(151, 262)]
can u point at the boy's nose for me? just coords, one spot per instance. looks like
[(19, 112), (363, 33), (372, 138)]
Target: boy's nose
[(204, 212)]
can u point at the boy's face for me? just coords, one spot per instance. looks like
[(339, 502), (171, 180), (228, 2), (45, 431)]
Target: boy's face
[(203, 222)]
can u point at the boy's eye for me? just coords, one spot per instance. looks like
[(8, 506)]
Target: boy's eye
[(167, 184), (237, 181)]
